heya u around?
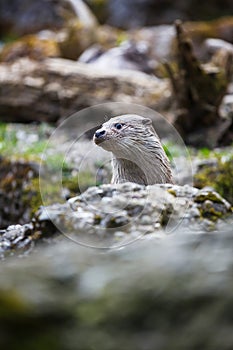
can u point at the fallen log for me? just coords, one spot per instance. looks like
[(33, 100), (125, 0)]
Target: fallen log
[(56, 88)]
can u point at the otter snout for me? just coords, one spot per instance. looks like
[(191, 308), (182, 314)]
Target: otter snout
[(99, 136)]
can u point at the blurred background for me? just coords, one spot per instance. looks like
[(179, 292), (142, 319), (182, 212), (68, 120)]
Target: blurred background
[(171, 289)]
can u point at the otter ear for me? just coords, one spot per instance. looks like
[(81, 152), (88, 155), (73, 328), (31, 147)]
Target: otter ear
[(147, 121)]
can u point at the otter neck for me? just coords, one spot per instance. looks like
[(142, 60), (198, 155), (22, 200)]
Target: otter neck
[(139, 172), (124, 170)]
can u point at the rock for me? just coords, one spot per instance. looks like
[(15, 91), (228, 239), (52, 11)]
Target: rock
[(116, 215), (131, 298), (100, 212), (21, 240), (213, 45), (226, 107), (128, 55), (17, 238), (217, 174), (48, 90), (159, 39), (77, 32)]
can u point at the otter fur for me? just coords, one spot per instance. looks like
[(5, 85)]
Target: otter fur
[(137, 153)]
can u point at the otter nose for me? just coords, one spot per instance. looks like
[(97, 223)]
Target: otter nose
[(99, 133)]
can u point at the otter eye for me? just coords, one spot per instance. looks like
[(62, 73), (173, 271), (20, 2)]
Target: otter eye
[(118, 126)]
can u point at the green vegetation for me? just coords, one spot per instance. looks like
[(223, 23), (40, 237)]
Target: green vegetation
[(204, 152), (17, 146), (173, 150)]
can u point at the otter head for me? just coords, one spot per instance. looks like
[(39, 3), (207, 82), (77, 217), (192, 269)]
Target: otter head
[(137, 153), (121, 134)]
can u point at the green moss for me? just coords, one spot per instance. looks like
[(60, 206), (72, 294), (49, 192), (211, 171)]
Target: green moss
[(218, 176), (211, 211), (209, 196)]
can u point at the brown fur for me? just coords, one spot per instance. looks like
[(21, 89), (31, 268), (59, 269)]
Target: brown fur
[(137, 153)]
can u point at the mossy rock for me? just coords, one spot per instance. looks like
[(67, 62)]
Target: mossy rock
[(219, 176), (21, 185)]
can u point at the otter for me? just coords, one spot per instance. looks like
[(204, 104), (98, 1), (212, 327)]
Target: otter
[(137, 153)]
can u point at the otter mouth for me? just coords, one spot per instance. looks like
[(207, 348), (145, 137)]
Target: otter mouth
[(98, 140)]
